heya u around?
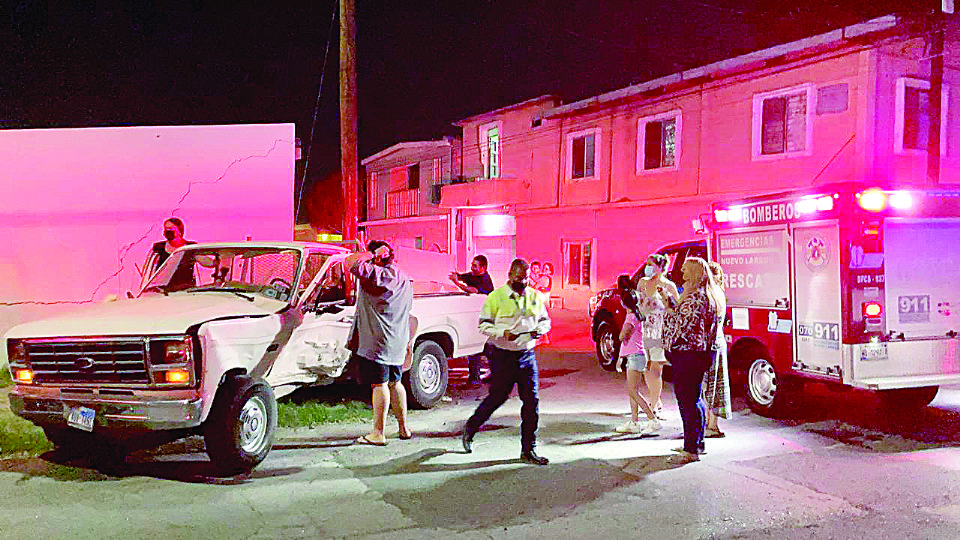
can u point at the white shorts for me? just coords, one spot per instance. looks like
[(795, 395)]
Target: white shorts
[(656, 354)]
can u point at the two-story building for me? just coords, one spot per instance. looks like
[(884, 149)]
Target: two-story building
[(586, 190)]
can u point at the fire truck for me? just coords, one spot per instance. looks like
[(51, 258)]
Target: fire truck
[(847, 285)]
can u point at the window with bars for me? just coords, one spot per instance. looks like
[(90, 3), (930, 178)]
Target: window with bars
[(658, 140), (578, 262), (782, 124)]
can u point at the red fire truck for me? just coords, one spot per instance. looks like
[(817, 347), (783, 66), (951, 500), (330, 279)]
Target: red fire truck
[(841, 284)]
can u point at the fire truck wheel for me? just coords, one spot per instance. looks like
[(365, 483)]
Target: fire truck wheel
[(766, 391), (908, 398), (608, 346)]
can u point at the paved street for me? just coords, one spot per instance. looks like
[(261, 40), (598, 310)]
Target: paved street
[(839, 469)]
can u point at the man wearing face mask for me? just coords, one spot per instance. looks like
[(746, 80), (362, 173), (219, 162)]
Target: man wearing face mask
[(514, 317)]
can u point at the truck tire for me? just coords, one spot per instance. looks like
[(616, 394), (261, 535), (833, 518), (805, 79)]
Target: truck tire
[(608, 345), (906, 399), (765, 389), (242, 425), (427, 378)]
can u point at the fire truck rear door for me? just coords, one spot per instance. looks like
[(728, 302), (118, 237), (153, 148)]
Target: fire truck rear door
[(816, 265)]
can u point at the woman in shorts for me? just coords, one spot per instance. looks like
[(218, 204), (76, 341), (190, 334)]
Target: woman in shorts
[(631, 352)]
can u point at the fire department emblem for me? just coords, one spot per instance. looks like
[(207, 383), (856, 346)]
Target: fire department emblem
[(815, 254)]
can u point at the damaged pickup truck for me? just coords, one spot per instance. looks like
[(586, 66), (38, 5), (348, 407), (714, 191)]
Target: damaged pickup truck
[(215, 336)]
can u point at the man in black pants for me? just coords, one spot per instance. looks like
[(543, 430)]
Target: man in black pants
[(476, 281), (514, 316)]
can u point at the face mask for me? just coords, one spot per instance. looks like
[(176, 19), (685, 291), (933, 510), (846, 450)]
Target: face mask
[(649, 271), (169, 235), (518, 286)]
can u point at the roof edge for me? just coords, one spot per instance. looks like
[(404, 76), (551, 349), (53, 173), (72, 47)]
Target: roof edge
[(856, 30), (404, 146), (501, 110)]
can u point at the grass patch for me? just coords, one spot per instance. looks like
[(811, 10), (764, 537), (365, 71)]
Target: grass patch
[(5, 379), (20, 438), (311, 413)]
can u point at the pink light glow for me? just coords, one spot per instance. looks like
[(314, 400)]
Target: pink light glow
[(82, 207)]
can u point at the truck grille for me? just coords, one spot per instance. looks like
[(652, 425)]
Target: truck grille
[(89, 361)]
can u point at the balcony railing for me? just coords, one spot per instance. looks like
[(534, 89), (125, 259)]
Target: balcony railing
[(403, 203)]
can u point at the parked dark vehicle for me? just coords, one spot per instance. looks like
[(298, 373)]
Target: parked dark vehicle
[(607, 312)]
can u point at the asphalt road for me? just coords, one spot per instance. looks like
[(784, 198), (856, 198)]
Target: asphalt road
[(838, 468)]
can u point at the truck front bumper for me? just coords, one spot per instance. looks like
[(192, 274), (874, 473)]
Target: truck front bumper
[(147, 410)]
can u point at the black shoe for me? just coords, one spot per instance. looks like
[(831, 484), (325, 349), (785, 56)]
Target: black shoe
[(467, 439), (532, 458)]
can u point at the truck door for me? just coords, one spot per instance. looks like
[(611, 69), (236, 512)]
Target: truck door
[(816, 266), (315, 350)]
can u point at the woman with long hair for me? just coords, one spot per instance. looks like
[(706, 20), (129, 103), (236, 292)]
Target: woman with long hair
[(656, 293), (690, 336), (632, 353), (716, 383)]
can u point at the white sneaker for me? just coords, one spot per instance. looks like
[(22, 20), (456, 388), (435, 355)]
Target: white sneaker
[(652, 426), (629, 427)]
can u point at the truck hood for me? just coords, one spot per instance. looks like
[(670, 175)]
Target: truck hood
[(149, 315)]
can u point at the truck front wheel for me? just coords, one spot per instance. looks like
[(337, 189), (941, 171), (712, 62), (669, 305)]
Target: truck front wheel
[(766, 391), (427, 378), (242, 425)]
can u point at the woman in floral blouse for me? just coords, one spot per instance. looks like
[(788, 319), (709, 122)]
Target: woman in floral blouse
[(690, 338)]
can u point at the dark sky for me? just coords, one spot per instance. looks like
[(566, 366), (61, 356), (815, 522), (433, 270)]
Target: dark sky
[(422, 64)]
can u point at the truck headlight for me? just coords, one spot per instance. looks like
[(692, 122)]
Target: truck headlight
[(171, 351), (16, 352), (593, 303)]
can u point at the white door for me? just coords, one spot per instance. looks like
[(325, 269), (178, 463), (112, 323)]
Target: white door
[(817, 328)]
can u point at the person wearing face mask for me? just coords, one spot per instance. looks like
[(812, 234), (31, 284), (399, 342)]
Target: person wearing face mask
[(173, 232), (514, 317), (656, 294)]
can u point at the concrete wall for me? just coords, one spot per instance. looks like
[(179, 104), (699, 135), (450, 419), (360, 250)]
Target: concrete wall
[(82, 207)]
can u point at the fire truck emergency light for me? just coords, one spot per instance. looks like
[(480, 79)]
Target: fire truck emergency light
[(901, 200), (873, 200), (872, 309)]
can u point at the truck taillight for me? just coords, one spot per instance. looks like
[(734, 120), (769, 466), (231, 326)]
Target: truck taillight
[(872, 310)]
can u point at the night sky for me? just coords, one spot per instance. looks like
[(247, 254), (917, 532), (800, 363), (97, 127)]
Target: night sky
[(421, 64)]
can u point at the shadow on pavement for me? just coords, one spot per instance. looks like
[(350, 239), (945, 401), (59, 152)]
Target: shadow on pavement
[(501, 496)]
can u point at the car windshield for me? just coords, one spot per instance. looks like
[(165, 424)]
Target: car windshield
[(245, 271)]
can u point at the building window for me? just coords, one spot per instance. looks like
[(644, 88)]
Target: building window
[(912, 125), (578, 263), (399, 178), (783, 122), (658, 141), (491, 149), (373, 190), (413, 176), (436, 172), (584, 152)]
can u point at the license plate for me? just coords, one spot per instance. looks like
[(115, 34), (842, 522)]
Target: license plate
[(873, 351), (81, 418)]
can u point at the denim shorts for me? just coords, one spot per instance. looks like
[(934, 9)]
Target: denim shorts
[(637, 362)]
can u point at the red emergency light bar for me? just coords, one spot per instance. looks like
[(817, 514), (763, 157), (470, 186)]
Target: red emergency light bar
[(876, 200)]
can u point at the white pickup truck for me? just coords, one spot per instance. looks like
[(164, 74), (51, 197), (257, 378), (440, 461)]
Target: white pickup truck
[(213, 338)]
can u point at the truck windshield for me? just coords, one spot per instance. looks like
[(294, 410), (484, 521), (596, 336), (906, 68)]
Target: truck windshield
[(268, 272)]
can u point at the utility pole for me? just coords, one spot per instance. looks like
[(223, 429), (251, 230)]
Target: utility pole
[(348, 117), (936, 90)]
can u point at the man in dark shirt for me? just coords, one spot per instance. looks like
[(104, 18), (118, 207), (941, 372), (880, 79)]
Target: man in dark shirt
[(477, 281)]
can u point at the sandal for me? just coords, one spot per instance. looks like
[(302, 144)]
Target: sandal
[(714, 434)]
